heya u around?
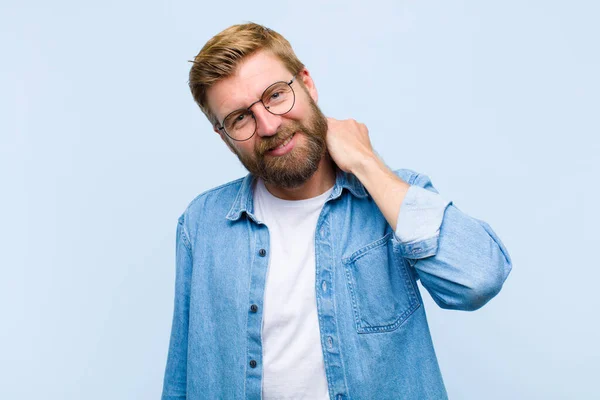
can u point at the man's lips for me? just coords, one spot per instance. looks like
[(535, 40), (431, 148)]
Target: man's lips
[(281, 142), (284, 147)]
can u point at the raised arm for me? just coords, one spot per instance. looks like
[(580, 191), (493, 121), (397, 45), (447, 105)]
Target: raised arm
[(459, 259)]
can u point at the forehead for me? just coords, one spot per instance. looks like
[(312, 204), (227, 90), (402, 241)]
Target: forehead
[(252, 77)]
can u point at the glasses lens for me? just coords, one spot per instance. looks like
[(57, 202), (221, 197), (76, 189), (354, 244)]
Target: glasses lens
[(279, 98), (240, 125)]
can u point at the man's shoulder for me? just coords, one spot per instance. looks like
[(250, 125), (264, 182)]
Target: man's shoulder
[(216, 201)]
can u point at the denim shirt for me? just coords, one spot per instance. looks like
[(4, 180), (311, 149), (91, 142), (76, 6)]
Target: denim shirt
[(374, 334)]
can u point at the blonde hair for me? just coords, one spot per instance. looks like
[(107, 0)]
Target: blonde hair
[(221, 55)]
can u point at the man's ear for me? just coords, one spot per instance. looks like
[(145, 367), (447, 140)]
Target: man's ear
[(223, 138), (308, 82)]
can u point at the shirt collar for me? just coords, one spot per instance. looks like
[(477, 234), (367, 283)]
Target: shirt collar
[(244, 201)]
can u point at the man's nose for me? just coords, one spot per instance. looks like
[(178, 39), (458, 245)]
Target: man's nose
[(267, 124)]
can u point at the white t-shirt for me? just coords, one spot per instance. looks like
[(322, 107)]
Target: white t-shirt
[(292, 355)]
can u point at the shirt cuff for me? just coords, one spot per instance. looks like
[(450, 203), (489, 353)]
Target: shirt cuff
[(421, 215)]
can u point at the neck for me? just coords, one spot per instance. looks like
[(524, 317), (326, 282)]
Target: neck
[(321, 181)]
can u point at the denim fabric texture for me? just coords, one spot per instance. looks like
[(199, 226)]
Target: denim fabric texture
[(374, 333)]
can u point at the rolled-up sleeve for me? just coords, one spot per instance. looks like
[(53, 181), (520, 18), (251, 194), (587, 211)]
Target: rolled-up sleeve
[(459, 259), (421, 215)]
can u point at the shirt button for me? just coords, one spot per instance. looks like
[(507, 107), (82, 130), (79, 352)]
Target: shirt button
[(252, 364), (254, 308), (324, 286), (262, 252)]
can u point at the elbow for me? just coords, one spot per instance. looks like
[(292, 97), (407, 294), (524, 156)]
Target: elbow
[(486, 279), (479, 294), (478, 291)]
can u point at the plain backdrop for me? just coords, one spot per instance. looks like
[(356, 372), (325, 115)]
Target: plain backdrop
[(102, 148)]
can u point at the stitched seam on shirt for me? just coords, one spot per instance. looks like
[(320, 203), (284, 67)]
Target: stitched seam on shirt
[(353, 299), (209, 191), (335, 307), (322, 220), (413, 178), (409, 288), (392, 327), (184, 235), (253, 252), (361, 252)]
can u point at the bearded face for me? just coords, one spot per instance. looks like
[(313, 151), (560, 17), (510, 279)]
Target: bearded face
[(287, 145), (294, 168)]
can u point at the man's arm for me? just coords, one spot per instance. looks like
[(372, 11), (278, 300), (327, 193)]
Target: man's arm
[(384, 186), (175, 381), (463, 264), (461, 261)]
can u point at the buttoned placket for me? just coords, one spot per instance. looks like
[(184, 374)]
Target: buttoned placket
[(324, 262), (258, 275)]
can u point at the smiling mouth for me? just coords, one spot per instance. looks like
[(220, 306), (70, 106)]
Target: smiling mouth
[(283, 144)]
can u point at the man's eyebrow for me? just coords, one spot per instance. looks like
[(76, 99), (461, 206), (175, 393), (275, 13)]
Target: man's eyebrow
[(225, 114)]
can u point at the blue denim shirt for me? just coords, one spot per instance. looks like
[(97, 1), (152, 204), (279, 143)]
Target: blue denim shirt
[(374, 334)]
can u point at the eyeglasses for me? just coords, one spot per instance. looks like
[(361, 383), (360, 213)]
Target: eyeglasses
[(278, 99)]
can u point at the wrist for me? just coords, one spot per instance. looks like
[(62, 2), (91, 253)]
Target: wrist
[(366, 165)]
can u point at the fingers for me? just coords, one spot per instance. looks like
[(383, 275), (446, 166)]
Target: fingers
[(347, 124)]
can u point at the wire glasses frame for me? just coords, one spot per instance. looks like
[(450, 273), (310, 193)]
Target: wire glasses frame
[(273, 103)]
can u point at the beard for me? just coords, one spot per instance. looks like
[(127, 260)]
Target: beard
[(297, 166)]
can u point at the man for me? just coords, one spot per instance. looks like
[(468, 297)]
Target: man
[(299, 281)]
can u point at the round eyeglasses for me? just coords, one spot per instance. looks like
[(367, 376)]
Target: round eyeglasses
[(278, 99)]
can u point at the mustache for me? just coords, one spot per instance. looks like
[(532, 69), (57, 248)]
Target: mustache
[(268, 143)]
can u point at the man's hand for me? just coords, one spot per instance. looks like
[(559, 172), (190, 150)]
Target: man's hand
[(348, 144)]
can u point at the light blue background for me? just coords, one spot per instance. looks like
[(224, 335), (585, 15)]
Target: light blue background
[(102, 148)]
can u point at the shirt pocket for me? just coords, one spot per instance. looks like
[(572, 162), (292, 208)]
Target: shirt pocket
[(383, 295)]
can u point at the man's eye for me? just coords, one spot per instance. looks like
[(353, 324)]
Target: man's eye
[(238, 120), (275, 95)]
